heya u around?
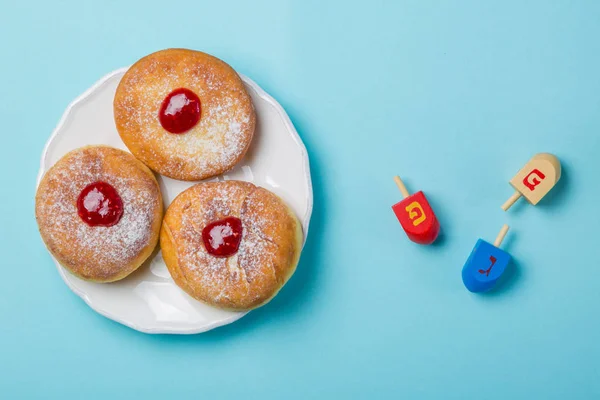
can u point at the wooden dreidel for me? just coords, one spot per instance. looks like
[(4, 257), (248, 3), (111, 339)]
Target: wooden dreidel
[(416, 216), (535, 179), (485, 264)]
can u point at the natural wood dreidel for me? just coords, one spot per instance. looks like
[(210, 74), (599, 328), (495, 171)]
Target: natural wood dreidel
[(535, 179), (485, 264), (416, 216)]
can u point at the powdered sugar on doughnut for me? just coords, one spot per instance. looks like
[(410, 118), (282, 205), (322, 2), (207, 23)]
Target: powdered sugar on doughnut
[(217, 273), (265, 256), (215, 144), (94, 251)]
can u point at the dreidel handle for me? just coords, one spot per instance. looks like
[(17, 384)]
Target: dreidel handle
[(401, 186), (501, 235), (508, 203)]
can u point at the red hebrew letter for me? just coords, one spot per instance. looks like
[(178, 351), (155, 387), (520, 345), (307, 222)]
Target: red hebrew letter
[(533, 179)]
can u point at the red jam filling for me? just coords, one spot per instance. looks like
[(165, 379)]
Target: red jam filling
[(99, 204), (222, 238), (179, 111)]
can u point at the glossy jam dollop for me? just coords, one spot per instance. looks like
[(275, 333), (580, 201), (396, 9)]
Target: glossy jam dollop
[(222, 238), (99, 204), (180, 111)]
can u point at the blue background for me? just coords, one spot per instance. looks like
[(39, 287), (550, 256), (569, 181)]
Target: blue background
[(453, 96)]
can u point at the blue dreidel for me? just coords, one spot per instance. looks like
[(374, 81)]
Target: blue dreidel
[(486, 264)]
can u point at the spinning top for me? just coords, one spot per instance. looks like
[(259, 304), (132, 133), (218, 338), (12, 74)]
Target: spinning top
[(416, 216), (535, 179)]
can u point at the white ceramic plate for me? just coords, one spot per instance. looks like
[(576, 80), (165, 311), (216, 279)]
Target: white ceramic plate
[(148, 300)]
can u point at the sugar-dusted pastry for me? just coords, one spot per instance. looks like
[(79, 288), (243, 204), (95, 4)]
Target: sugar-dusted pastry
[(185, 114), (99, 212), (230, 244)]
